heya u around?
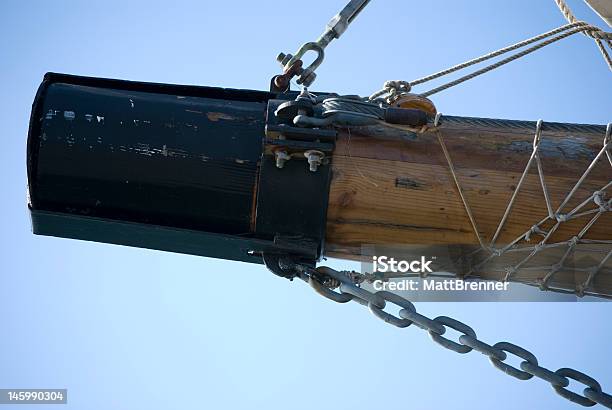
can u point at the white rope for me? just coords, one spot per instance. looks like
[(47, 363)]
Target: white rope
[(391, 88), (534, 153), (456, 180), (598, 35)]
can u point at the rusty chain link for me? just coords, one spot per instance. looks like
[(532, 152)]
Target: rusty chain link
[(321, 278)]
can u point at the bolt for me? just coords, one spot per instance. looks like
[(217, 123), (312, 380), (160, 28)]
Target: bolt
[(281, 81), (281, 157), (284, 58), (314, 159), (307, 78), (304, 95)]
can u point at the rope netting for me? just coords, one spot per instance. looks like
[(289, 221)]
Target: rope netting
[(555, 216)]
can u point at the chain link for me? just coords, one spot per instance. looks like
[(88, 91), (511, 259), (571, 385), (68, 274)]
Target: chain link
[(467, 342)]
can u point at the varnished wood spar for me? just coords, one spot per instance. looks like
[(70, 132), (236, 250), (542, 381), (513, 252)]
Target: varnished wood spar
[(401, 191)]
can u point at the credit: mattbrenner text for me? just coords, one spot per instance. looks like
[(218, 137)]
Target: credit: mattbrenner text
[(440, 285)]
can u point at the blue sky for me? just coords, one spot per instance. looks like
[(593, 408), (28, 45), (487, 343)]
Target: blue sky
[(128, 328)]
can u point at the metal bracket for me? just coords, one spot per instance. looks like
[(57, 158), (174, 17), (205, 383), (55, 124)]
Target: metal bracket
[(284, 265), (293, 188), (291, 205), (282, 128)]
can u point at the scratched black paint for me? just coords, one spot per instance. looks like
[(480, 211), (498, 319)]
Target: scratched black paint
[(137, 154)]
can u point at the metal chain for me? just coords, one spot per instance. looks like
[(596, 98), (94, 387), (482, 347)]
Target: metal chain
[(321, 278)]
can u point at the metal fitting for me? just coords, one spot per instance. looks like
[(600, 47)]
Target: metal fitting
[(280, 83), (283, 58), (304, 95), (333, 30), (314, 159), (281, 157), (307, 77)]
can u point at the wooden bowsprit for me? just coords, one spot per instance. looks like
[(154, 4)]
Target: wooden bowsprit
[(408, 192)]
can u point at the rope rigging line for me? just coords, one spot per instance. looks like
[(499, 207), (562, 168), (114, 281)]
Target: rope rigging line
[(456, 180), (596, 35), (394, 87)]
